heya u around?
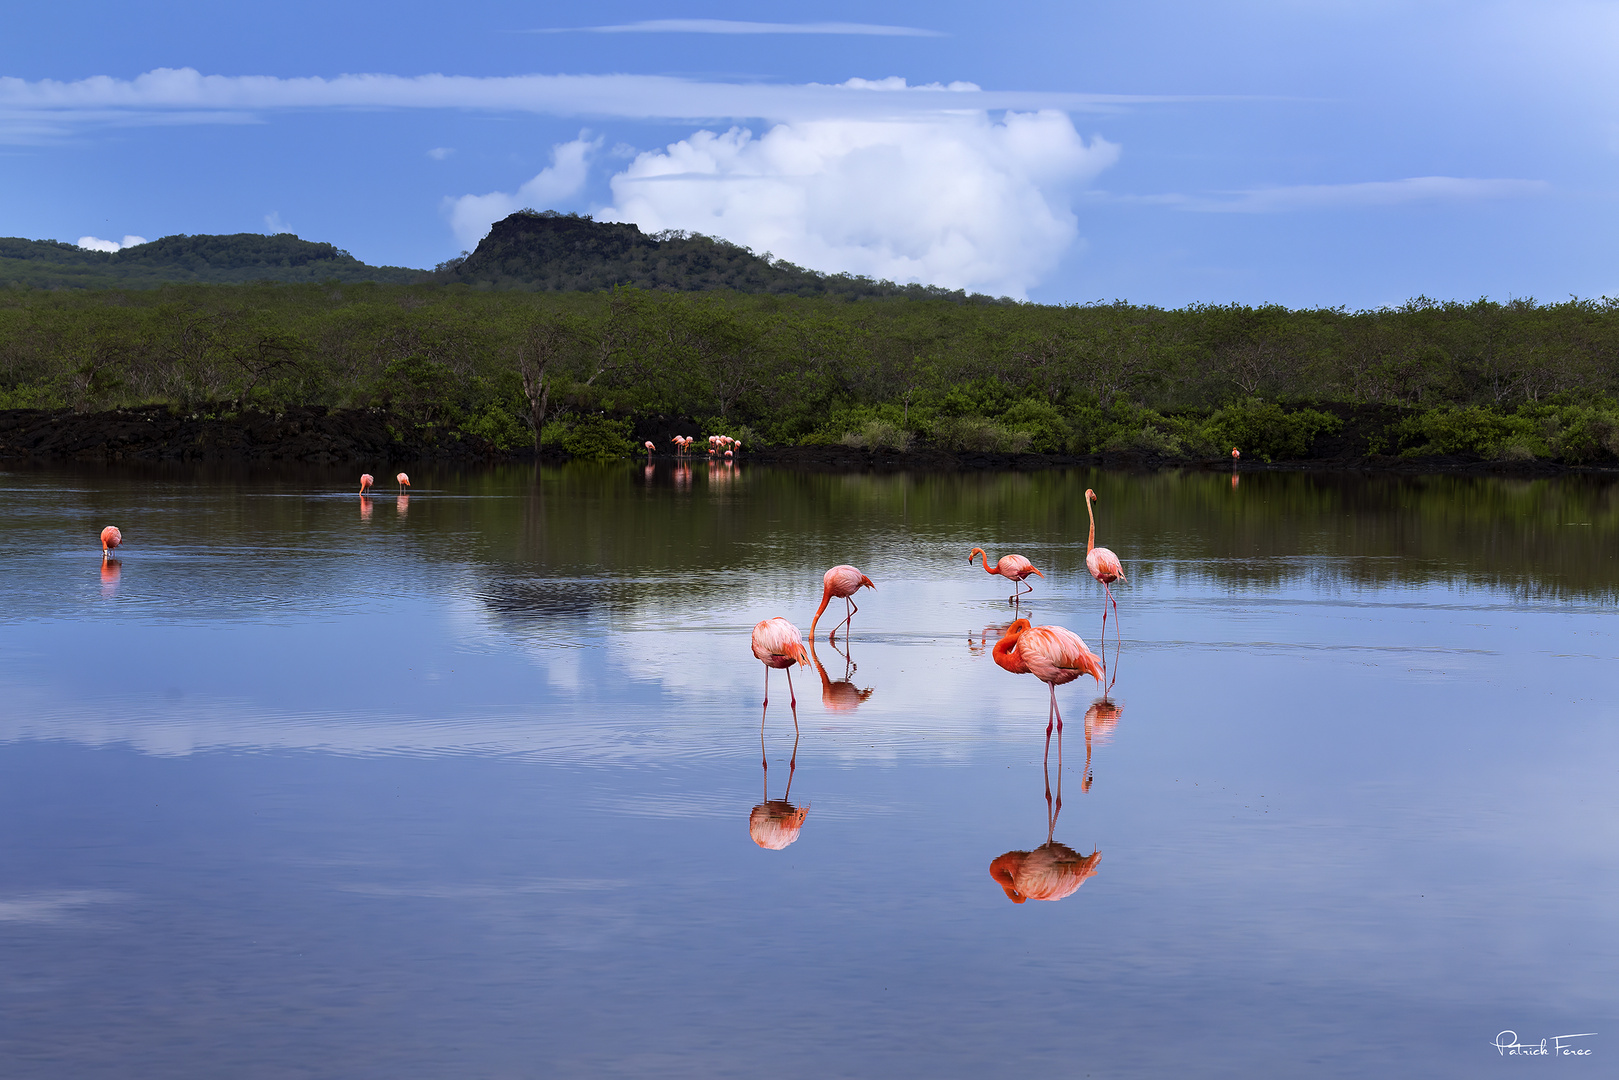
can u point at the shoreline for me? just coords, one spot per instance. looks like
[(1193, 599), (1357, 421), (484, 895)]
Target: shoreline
[(372, 437)]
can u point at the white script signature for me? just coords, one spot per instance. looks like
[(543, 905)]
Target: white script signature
[(1506, 1043)]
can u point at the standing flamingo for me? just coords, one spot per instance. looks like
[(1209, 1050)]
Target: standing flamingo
[(1052, 654), (842, 580), (366, 480), (1106, 568), (1236, 455), (404, 481), (778, 644), (110, 538), (1012, 567), (649, 449)]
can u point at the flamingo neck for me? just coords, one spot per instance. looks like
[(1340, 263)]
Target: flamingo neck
[(1090, 545), (988, 569), (1004, 650), (826, 598)]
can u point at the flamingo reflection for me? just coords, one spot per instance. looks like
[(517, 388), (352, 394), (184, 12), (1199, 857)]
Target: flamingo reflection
[(841, 696), (1052, 870), (402, 504), (775, 823), (682, 477), (1100, 720), (111, 570)]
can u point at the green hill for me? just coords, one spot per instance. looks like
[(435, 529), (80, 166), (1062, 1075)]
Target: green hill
[(236, 258), (552, 252)]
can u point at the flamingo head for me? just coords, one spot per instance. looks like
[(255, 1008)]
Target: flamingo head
[(977, 552), (1090, 496), (868, 583)]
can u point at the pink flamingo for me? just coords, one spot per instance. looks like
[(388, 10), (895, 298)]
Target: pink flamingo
[(842, 580), (110, 538), (1011, 567), (778, 644), (1052, 654), (366, 480), (1236, 455), (404, 481), (1106, 568), (649, 449)]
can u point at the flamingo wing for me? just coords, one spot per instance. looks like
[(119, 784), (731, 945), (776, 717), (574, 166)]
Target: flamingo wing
[(1104, 566), (778, 643), (1057, 655)]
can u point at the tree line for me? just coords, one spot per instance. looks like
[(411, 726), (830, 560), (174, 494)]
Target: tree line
[(1512, 379)]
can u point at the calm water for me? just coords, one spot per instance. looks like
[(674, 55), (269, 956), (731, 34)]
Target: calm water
[(305, 786)]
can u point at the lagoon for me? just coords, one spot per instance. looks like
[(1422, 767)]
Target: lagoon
[(461, 783)]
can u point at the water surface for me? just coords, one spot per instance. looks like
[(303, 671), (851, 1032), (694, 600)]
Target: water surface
[(462, 784)]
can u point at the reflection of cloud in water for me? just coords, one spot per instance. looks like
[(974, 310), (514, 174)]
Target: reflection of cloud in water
[(53, 908)]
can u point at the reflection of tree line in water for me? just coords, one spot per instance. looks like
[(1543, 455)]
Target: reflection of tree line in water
[(1278, 529)]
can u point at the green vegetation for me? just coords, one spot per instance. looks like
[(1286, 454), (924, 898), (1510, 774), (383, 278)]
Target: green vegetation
[(1484, 380), (243, 257)]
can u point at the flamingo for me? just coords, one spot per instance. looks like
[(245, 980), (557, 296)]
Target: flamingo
[(1012, 567), (842, 580), (1052, 654), (366, 480), (649, 449), (778, 644), (404, 481), (1105, 568), (1236, 455), (110, 538)]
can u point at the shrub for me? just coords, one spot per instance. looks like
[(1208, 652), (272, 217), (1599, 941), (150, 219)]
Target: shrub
[(1147, 439), (879, 435), (1263, 429), (599, 439), (499, 427), (1048, 432), (977, 433), (1476, 430)]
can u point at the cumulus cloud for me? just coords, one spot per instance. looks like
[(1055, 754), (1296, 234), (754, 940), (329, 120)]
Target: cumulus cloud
[(471, 215), (733, 26), (95, 243), (962, 201)]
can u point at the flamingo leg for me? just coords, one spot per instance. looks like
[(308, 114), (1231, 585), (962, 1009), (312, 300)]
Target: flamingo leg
[(1117, 640), (792, 698), (1046, 761), (767, 694), (1056, 709)]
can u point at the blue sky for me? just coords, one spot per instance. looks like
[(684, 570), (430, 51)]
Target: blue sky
[(1307, 153)]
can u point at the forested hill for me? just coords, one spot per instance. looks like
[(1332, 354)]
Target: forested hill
[(552, 252), (236, 258)]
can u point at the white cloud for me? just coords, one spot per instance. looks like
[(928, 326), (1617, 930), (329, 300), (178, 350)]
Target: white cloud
[(471, 215), (439, 153), (961, 201), (274, 224), (31, 111), (732, 26), (1283, 199), (95, 243)]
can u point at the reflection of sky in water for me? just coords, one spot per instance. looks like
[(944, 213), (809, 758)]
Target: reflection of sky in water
[(468, 790)]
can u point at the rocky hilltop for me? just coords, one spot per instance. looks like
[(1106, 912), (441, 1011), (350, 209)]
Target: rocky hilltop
[(551, 252)]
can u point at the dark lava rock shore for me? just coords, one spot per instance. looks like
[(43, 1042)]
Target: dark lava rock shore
[(320, 436)]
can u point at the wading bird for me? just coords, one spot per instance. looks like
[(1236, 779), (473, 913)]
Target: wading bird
[(1105, 568), (778, 644), (404, 481), (366, 480), (1236, 455), (110, 538), (649, 449), (1011, 567), (1052, 654), (842, 580)]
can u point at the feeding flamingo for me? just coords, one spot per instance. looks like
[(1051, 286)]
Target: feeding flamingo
[(778, 644), (1105, 568), (110, 538), (404, 481), (1236, 455), (366, 480), (1052, 654), (842, 580), (1012, 567)]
